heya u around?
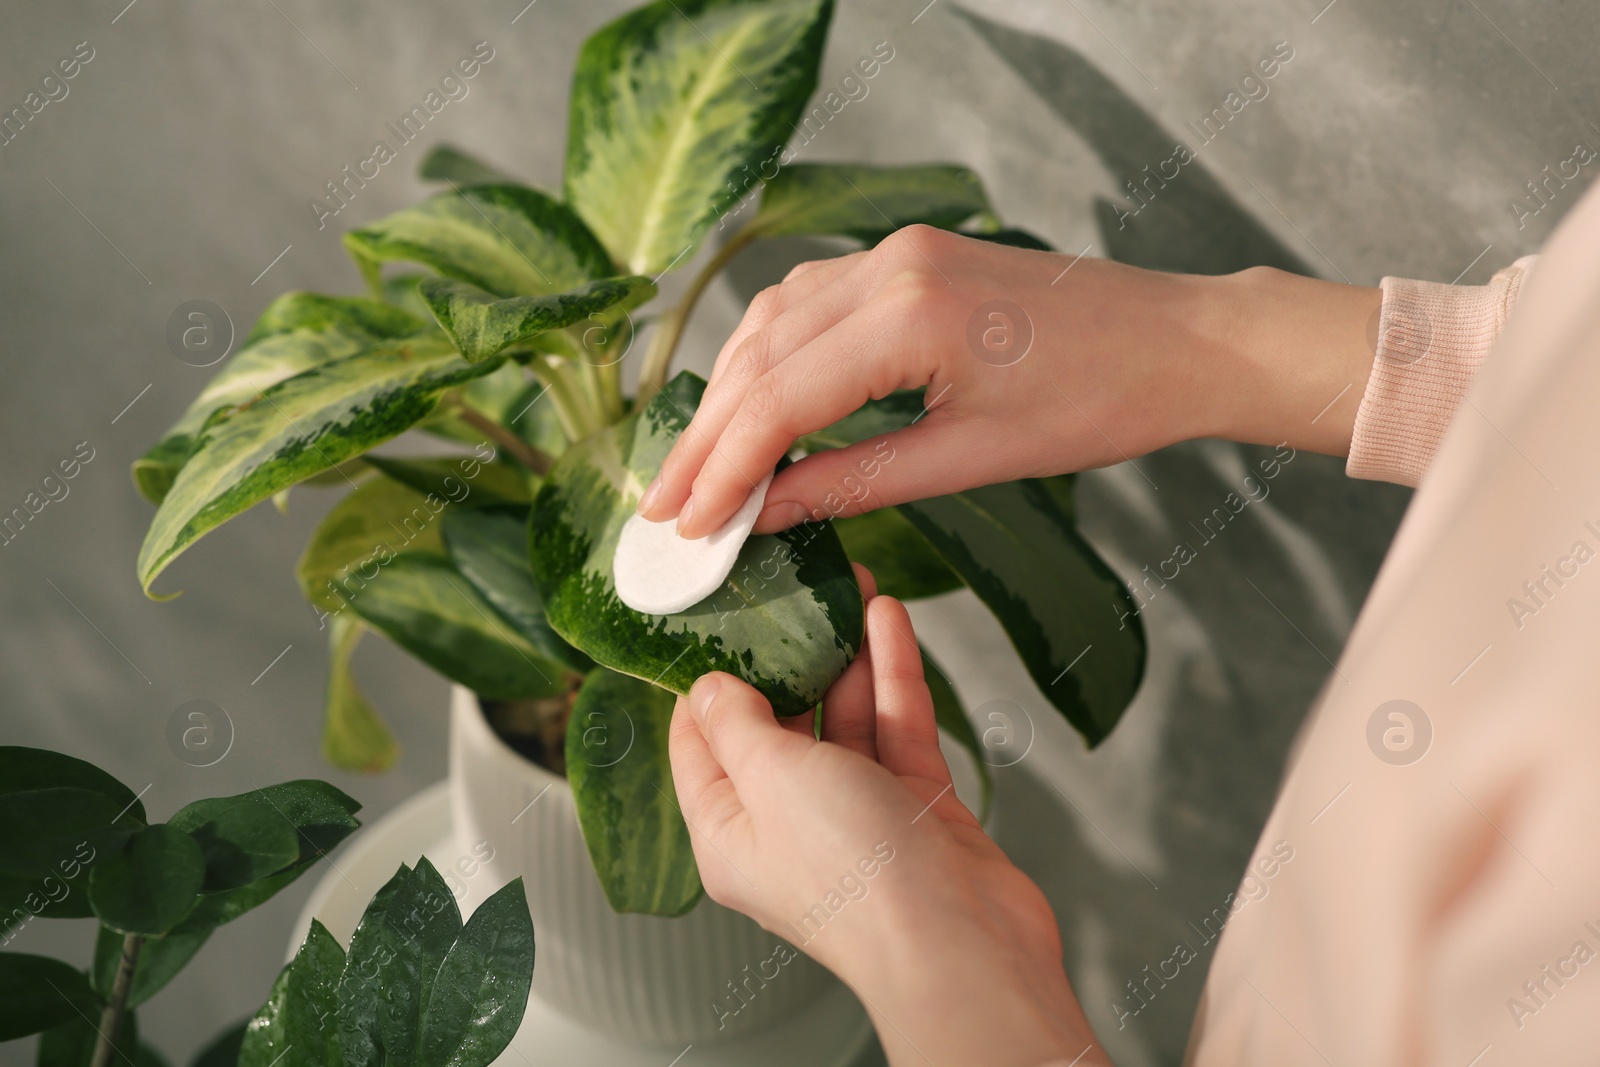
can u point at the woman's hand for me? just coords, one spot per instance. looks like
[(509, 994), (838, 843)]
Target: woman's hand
[(1035, 364), (856, 851)]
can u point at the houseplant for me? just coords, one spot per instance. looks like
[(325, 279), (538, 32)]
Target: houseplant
[(75, 843), (490, 561)]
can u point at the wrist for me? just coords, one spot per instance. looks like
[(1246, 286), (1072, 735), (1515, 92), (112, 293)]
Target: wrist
[(1283, 358), (973, 993)]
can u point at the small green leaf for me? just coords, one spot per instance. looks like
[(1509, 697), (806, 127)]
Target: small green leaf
[(508, 239), (363, 533), (62, 894), (151, 884), (1065, 610), (46, 832), (951, 716), (477, 1001), (458, 479), (353, 735), (39, 993), (489, 546), (673, 104), (72, 1044), (788, 620), (395, 955), (902, 562), (483, 325), (38, 768), (865, 202), (424, 605), (301, 1012), (321, 815), (621, 778), (242, 838), (160, 960), (447, 163), (295, 429)]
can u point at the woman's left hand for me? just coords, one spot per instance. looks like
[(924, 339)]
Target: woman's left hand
[(856, 850)]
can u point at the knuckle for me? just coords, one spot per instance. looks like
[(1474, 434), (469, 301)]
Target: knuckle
[(763, 402), (767, 303), (914, 241)]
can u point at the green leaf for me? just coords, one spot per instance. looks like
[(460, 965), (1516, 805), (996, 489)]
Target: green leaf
[(360, 535), (160, 960), (297, 331), (457, 479), (353, 735), (24, 768), (621, 778), (301, 1011), (477, 1001), (447, 163), (424, 605), (72, 1043), (483, 325), (865, 202), (223, 1050), (489, 546), (508, 239), (893, 412), (62, 894), (47, 832), (39, 993), (295, 429), (321, 815), (1067, 613), (395, 956), (901, 560), (533, 417), (151, 884), (242, 838), (670, 103), (951, 716), (788, 620)]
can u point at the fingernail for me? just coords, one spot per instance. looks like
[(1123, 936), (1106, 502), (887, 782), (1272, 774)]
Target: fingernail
[(685, 515), (781, 516), (651, 492), (701, 695)]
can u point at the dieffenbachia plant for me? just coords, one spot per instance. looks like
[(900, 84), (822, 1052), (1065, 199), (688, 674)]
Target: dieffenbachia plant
[(491, 563)]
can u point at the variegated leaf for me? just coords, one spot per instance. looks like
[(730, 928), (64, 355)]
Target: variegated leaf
[(483, 325)]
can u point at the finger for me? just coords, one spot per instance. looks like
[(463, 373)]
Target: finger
[(865, 581), (804, 724), (848, 718), (933, 457), (705, 794), (739, 729), (908, 736), (761, 349), (798, 285), (830, 377)]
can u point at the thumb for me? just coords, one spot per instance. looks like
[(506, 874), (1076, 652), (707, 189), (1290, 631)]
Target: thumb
[(740, 731)]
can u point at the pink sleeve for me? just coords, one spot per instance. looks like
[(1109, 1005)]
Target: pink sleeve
[(1432, 338)]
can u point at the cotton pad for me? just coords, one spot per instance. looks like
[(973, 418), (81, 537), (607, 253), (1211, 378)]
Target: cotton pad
[(659, 573)]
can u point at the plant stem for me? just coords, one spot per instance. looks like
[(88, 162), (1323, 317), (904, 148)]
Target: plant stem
[(520, 450), (669, 330), (111, 1016), (578, 417)]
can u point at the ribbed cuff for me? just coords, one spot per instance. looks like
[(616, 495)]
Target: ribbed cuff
[(1432, 339)]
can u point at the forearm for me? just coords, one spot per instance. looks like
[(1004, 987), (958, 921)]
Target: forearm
[(1279, 358)]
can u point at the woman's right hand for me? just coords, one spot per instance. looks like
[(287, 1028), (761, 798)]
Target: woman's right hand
[(1034, 364)]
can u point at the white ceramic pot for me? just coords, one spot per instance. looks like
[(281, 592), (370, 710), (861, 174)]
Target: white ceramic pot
[(643, 979)]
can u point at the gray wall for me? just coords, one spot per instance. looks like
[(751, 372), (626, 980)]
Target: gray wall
[(181, 164)]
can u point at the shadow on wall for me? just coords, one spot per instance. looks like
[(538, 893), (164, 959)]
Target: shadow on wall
[(1190, 223)]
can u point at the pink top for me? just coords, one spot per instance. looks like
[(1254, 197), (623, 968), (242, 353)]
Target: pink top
[(1441, 809)]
